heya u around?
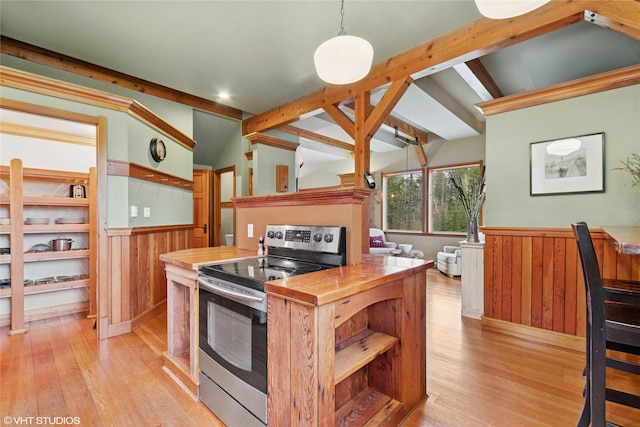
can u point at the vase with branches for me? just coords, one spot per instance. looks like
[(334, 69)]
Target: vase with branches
[(632, 166), (471, 197)]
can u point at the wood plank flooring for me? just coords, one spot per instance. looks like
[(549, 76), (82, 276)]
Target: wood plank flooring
[(475, 376)]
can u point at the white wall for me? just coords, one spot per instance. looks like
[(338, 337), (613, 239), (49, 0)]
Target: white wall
[(509, 135)]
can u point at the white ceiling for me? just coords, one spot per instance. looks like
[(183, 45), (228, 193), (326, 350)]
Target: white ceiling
[(261, 52)]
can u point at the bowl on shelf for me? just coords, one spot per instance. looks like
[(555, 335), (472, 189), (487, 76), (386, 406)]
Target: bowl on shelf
[(65, 220), (406, 247), (33, 221), (40, 247), (45, 280)]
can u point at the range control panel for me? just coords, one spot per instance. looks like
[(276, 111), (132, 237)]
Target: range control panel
[(308, 237)]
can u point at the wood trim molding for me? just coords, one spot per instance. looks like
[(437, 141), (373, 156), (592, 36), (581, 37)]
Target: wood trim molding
[(58, 61), (41, 110), (48, 134), (599, 83), (332, 196), (132, 170), (537, 231), (556, 339), (145, 115), (263, 138), (47, 86), (131, 231)]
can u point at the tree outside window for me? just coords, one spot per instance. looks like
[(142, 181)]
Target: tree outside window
[(403, 207), (446, 213)]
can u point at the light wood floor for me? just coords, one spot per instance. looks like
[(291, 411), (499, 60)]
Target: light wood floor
[(475, 377)]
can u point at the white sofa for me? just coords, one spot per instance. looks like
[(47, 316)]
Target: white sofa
[(450, 261), (376, 234)]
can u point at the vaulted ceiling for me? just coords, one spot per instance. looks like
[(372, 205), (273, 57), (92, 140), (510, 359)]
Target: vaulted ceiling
[(260, 52)]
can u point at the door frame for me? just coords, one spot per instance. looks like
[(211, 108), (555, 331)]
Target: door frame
[(218, 204)]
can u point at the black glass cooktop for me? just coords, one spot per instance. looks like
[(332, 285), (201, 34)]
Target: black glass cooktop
[(253, 272)]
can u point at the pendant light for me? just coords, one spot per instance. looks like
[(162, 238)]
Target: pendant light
[(343, 59), (501, 9)]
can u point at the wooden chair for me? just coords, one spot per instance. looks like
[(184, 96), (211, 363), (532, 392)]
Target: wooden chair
[(613, 321)]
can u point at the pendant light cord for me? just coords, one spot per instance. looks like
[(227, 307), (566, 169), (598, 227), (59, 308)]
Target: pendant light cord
[(342, 16)]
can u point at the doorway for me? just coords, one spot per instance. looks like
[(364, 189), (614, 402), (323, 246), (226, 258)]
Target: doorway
[(224, 189), (202, 211)]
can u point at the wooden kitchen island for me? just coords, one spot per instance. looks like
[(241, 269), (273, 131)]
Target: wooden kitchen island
[(346, 346)]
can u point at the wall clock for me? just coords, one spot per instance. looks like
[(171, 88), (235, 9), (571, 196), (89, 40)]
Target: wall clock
[(158, 150)]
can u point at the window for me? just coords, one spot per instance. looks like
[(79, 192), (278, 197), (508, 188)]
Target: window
[(403, 207), (446, 212)]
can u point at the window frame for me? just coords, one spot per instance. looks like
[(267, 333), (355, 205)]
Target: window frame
[(428, 217), (383, 210)]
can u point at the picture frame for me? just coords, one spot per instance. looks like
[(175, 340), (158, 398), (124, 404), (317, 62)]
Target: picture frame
[(567, 166)]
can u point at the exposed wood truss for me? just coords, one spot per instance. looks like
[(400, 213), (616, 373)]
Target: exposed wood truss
[(302, 133), (478, 79), (464, 44)]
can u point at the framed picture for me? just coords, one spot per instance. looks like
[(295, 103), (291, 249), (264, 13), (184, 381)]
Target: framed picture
[(568, 165)]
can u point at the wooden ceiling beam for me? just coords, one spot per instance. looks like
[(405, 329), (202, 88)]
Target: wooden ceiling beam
[(402, 126), (620, 16), (362, 138), (479, 79), (389, 100), (38, 55), (341, 119), (422, 156), (302, 133), (469, 42)]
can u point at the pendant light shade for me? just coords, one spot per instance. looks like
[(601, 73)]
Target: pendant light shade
[(501, 9), (343, 59)]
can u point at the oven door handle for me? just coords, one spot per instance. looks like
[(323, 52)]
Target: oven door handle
[(220, 290)]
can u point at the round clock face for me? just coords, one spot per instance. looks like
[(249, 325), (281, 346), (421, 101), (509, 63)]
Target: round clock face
[(158, 150)]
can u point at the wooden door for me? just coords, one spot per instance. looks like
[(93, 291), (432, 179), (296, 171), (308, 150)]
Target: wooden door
[(201, 208)]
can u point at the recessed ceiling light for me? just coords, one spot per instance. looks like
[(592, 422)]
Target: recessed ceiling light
[(223, 95)]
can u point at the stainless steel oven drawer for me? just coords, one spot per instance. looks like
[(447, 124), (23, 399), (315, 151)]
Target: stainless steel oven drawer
[(225, 407)]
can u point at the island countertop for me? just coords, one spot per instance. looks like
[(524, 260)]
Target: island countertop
[(315, 288), (326, 286), (191, 259)]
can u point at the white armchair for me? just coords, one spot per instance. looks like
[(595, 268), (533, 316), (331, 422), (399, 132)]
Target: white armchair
[(450, 261), (378, 244)]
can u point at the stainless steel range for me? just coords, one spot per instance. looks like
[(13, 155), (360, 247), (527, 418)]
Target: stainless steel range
[(233, 316)]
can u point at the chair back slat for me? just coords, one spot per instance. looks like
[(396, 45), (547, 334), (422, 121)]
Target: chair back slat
[(590, 269)]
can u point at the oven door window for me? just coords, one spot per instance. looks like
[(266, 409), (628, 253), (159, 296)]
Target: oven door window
[(229, 335), (235, 336)]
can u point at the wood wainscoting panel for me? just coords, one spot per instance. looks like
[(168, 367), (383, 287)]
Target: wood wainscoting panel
[(137, 284), (533, 276)]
